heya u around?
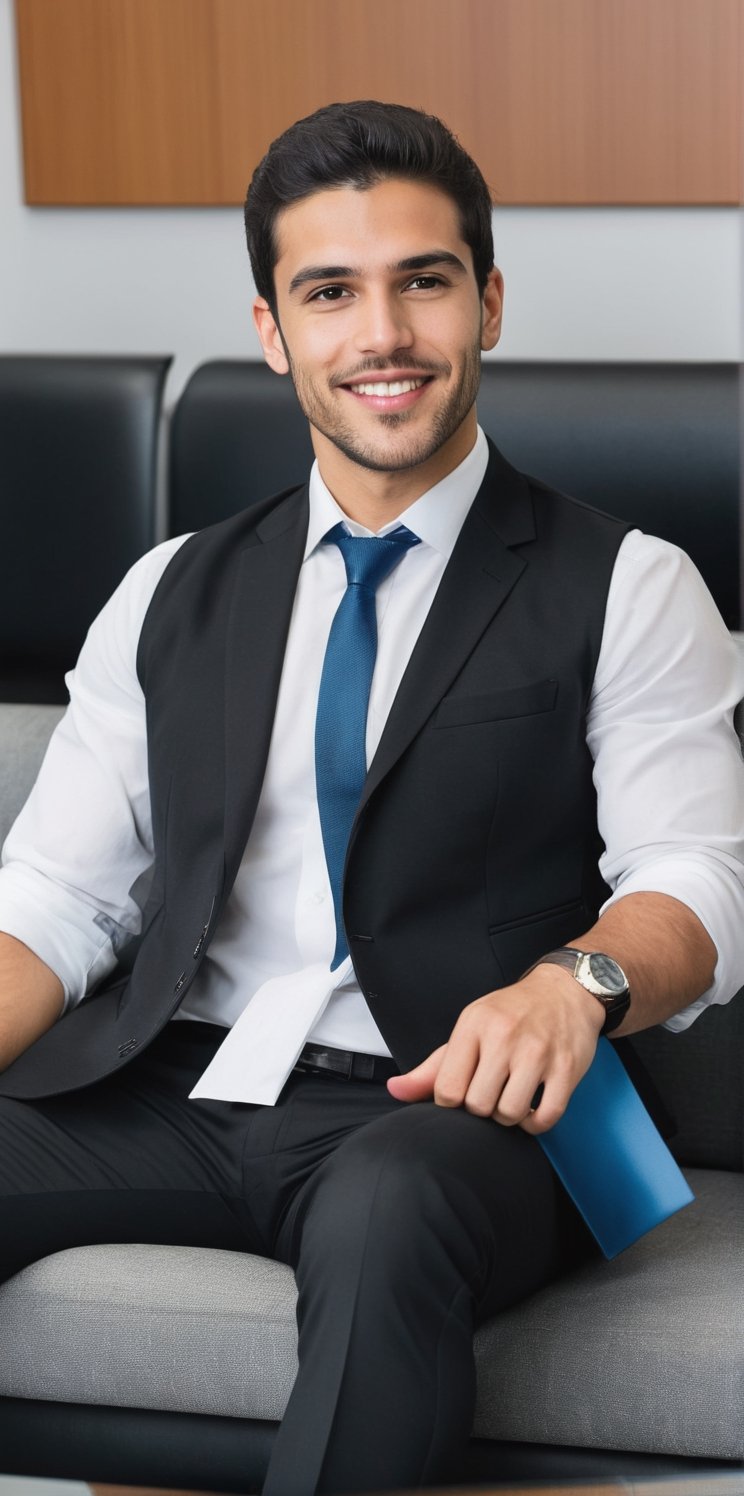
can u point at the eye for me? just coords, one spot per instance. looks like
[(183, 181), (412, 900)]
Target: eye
[(328, 294), (425, 283)]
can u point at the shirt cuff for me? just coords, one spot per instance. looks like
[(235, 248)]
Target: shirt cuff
[(59, 928)]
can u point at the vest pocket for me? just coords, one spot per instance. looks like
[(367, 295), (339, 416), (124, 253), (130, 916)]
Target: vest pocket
[(517, 943), (498, 706)]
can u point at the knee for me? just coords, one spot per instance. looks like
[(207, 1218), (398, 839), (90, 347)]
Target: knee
[(395, 1195)]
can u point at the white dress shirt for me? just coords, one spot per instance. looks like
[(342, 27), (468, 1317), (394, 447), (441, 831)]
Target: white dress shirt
[(668, 774)]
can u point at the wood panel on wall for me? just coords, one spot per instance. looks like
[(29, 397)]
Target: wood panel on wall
[(560, 101)]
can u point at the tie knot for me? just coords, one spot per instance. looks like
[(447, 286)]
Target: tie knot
[(370, 558)]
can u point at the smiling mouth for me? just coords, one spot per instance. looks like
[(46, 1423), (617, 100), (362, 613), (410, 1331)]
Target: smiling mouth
[(388, 386)]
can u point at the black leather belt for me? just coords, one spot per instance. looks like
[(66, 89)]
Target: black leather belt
[(346, 1064)]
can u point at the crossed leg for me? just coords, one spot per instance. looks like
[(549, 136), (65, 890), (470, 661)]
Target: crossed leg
[(416, 1226)]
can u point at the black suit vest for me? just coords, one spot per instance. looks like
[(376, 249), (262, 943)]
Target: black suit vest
[(475, 846)]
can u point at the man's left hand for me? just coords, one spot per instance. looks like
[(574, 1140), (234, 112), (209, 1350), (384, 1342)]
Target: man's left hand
[(542, 1031)]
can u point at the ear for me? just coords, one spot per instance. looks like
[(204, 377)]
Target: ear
[(493, 304), (268, 331)]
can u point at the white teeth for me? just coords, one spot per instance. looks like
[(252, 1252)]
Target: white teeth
[(394, 387)]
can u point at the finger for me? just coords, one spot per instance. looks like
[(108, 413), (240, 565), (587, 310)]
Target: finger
[(417, 1084), (553, 1102), (486, 1086), (517, 1100), (457, 1069)]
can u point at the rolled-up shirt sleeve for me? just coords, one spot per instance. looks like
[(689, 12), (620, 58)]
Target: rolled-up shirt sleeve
[(667, 761), (77, 860)]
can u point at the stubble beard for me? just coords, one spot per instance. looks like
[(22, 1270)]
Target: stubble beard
[(422, 446)]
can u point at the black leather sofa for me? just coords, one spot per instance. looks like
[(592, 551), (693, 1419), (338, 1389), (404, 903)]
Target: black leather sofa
[(85, 447), (79, 449), (657, 444)]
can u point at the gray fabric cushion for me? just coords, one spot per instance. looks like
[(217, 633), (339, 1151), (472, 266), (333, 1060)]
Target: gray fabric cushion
[(181, 1328), (645, 1353), (24, 734)]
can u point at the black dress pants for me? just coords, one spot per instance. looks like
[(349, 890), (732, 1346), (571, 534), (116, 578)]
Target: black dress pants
[(404, 1225)]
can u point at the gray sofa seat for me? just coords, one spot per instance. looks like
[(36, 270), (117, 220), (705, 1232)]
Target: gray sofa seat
[(644, 1353)]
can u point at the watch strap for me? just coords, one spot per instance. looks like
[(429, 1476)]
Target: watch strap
[(570, 959)]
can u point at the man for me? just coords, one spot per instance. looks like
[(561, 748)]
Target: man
[(542, 699)]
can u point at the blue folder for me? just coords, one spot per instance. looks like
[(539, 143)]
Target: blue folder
[(612, 1159)]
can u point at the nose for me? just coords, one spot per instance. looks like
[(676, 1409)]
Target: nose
[(383, 325)]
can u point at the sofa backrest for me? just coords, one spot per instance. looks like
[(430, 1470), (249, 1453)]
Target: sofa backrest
[(657, 444), (79, 440), (700, 1077), (237, 435)]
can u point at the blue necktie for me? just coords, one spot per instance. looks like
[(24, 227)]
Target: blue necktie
[(343, 699)]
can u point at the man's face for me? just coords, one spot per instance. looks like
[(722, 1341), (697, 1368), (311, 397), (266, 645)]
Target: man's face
[(380, 323)]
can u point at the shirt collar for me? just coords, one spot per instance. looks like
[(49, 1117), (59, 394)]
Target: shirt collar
[(437, 517)]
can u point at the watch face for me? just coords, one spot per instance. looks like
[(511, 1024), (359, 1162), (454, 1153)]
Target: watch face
[(607, 973)]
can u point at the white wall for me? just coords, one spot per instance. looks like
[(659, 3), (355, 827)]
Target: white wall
[(595, 283)]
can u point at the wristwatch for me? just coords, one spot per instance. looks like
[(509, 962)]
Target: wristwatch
[(598, 974)]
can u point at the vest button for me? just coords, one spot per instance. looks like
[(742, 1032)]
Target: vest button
[(203, 936)]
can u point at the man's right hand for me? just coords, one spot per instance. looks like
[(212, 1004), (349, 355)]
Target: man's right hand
[(541, 1032), (31, 998)]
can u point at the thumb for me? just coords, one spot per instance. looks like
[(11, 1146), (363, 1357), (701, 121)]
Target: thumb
[(418, 1084)]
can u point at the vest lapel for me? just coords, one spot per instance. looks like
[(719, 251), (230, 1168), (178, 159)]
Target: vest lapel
[(479, 577), (259, 620)]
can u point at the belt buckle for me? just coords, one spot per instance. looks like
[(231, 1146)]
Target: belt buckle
[(363, 1066), (339, 1062)]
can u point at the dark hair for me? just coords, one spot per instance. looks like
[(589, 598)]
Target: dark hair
[(358, 145)]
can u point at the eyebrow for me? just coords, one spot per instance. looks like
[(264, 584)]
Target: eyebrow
[(351, 272)]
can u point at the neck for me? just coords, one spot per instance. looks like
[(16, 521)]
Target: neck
[(373, 498)]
